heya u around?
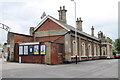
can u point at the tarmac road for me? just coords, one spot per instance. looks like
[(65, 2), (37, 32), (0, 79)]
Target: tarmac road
[(0, 68), (88, 69)]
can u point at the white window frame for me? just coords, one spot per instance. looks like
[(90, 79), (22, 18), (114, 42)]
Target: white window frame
[(104, 48), (98, 50), (90, 50), (83, 50), (95, 51)]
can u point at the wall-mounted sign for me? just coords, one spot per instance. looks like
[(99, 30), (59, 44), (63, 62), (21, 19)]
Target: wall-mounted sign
[(31, 49), (36, 49), (20, 50), (42, 50), (25, 50)]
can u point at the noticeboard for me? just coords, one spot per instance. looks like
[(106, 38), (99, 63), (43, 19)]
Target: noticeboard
[(25, 50), (36, 49), (20, 50), (42, 49), (31, 49)]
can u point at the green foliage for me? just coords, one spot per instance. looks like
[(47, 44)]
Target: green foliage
[(1, 44), (117, 44)]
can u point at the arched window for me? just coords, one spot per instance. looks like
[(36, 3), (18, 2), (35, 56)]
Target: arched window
[(94, 50), (98, 50), (83, 49), (89, 50), (74, 48), (103, 51)]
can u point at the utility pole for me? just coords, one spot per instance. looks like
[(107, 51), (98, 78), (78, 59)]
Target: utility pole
[(76, 52)]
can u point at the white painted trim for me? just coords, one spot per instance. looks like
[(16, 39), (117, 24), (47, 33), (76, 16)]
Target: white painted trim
[(83, 56), (31, 43), (98, 55), (95, 56), (41, 23), (106, 43), (74, 56), (51, 19), (90, 56)]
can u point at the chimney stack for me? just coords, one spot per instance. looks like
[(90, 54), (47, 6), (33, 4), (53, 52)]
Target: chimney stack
[(31, 31), (100, 35), (62, 14), (79, 24), (92, 31)]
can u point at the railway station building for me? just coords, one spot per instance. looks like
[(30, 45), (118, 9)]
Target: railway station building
[(53, 41)]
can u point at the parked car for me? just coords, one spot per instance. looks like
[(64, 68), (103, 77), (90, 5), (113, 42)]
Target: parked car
[(116, 54)]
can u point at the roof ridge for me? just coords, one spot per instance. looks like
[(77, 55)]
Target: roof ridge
[(65, 26)]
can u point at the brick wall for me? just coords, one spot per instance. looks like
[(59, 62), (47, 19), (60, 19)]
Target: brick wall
[(50, 38), (49, 25), (22, 38), (56, 58)]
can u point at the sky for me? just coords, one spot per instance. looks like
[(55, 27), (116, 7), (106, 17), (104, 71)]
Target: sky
[(20, 15)]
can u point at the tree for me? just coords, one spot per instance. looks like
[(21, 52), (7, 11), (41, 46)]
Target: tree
[(0, 44), (117, 44)]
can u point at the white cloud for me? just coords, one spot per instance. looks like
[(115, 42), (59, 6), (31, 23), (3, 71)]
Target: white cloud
[(21, 14)]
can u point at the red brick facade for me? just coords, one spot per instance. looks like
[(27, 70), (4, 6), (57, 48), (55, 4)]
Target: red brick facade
[(22, 38), (49, 25), (50, 38)]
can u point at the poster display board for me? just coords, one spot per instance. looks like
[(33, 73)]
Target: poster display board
[(31, 49), (20, 50), (36, 49), (25, 50), (42, 49)]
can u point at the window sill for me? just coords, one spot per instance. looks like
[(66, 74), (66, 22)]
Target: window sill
[(74, 56), (83, 56)]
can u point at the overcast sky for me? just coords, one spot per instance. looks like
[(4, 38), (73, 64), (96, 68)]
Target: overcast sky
[(20, 15)]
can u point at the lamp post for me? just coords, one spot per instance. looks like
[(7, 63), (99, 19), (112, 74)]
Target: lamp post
[(75, 32)]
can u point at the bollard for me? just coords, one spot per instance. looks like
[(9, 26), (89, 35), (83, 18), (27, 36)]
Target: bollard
[(19, 59)]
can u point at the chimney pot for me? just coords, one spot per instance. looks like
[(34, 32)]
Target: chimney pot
[(63, 7), (80, 18), (31, 31), (60, 8), (62, 14), (77, 19), (92, 31), (79, 24)]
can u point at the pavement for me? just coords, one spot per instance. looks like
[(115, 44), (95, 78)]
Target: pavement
[(0, 68), (87, 69)]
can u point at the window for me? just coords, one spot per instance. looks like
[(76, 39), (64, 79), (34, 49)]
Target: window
[(98, 50), (89, 50), (103, 51), (60, 48), (74, 48), (83, 49), (94, 50)]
